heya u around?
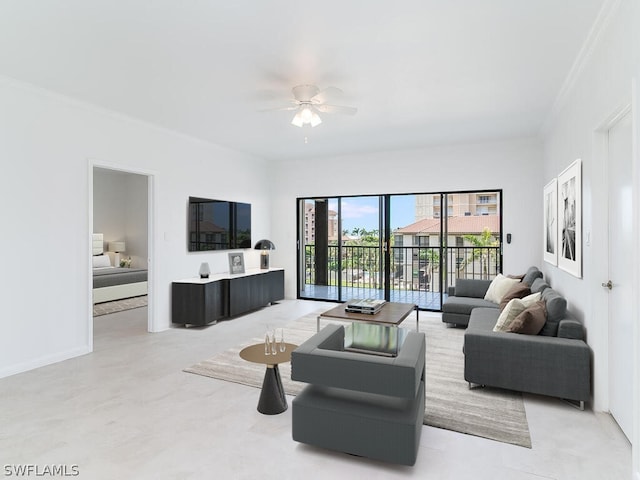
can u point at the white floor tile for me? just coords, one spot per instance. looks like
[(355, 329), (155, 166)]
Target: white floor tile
[(128, 411)]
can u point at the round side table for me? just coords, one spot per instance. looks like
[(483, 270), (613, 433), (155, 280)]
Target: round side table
[(272, 398)]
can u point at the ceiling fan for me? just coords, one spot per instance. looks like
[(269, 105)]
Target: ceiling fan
[(309, 101)]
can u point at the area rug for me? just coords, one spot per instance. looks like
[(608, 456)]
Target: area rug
[(105, 308), (484, 412)]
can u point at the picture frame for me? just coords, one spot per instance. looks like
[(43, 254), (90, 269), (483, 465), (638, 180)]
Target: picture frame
[(550, 224), (570, 219), (236, 263)]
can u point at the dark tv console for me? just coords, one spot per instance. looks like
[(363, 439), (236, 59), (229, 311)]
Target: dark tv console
[(203, 301)]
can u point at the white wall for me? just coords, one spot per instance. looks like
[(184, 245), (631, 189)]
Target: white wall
[(602, 88), (47, 146), (120, 212), (513, 166)]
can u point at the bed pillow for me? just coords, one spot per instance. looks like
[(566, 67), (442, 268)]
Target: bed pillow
[(499, 288), (101, 261)]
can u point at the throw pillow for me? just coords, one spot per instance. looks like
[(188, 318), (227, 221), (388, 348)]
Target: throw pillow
[(517, 277), (531, 320), (514, 308), (531, 299), (499, 288), (519, 290)]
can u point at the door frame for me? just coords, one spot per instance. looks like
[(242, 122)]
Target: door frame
[(151, 222), (598, 240)]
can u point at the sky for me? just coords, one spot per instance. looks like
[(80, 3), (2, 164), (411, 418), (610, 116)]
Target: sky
[(362, 212)]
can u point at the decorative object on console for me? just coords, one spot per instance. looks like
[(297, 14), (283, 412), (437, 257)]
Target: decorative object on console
[(264, 245), (204, 270), (236, 263), (117, 248), (570, 219)]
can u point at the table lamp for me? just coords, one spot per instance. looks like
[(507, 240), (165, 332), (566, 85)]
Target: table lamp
[(117, 248), (264, 245)]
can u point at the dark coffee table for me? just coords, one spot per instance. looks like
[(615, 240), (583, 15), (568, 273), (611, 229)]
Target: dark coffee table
[(391, 314)]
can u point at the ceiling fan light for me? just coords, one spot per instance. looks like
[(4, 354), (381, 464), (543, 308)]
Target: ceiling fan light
[(306, 115), (315, 119), (297, 120)]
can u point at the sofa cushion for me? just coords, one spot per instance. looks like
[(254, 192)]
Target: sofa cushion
[(519, 290), (482, 320), (499, 288), (531, 275), (471, 288), (464, 305), (530, 321), (538, 285), (514, 308), (556, 306)]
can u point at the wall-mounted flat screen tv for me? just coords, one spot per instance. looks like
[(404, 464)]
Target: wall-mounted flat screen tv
[(218, 225)]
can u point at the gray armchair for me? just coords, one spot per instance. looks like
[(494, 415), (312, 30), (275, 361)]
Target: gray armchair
[(361, 404)]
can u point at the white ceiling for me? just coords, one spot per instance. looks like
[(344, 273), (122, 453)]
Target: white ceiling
[(420, 72)]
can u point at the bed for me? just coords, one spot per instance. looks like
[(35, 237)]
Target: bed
[(114, 283)]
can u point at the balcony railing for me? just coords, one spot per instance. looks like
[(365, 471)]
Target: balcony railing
[(412, 268)]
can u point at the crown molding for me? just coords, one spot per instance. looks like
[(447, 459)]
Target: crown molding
[(600, 25)]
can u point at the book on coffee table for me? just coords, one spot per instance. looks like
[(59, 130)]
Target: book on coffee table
[(369, 306)]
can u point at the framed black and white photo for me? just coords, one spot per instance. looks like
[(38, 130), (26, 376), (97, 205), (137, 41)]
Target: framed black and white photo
[(236, 263), (550, 240), (570, 219)]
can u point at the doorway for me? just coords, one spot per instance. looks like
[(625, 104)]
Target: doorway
[(120, 208), (619, 284)]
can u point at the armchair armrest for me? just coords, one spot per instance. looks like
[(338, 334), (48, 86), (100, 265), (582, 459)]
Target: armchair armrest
[(393, 376)]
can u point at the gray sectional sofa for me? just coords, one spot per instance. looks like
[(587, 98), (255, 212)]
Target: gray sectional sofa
[(556, 362), (469, 294)]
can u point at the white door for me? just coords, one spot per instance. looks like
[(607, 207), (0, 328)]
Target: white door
[(620, 275)]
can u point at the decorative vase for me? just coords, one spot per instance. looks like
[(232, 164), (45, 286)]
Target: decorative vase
[(204, 270)]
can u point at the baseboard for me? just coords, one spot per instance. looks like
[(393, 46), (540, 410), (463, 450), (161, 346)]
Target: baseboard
[(43, 361)]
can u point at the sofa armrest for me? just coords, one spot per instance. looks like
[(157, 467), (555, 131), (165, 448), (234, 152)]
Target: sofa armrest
[(553, 366), (570, 328)]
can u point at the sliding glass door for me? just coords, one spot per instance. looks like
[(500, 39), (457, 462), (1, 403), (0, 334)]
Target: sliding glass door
[(402, 248), (340, 248)]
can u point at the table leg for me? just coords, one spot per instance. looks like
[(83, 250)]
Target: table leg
[(272, 397), (417, 319)]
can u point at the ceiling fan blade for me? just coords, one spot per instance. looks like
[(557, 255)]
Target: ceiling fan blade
[(324, 95), (336, 109), (279, 109)]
